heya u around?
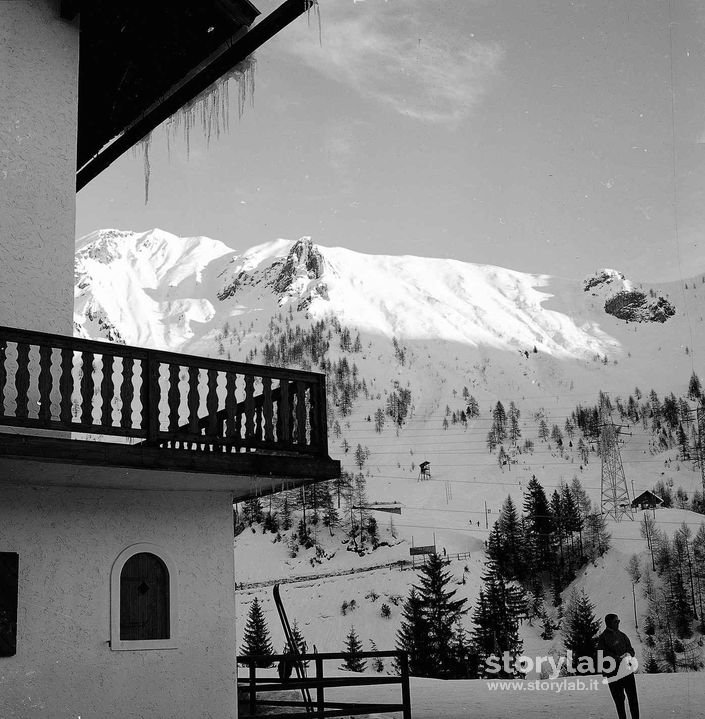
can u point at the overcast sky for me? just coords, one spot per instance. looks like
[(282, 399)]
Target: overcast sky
[(541, 135)]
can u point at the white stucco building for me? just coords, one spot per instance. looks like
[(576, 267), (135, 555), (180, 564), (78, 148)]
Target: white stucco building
[(116, 555)]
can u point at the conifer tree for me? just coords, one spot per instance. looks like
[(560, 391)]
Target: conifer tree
[(441, 612), (580, 631), (514, 430), (299, 643), (694, 387), (651, 665), (483, 633), (465, 661), (510, 531), (495, 549), (499, 419), (353, 647), (538, 526), (598, 537), (331, 518), (257, 639), (543, 429), (496, 618), (412, 634)]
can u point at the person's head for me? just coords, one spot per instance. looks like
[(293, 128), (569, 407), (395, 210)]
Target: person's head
[(612, 621)]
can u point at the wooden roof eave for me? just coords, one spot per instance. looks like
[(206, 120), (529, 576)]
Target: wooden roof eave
[(243, 46)]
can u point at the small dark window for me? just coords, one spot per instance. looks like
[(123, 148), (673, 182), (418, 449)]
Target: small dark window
[(144, 598), (9, 568)]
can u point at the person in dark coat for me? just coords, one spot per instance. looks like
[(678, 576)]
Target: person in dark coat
[(620, 680)]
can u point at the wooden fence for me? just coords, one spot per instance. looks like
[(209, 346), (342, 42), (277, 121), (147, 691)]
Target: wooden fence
[(313, 689)]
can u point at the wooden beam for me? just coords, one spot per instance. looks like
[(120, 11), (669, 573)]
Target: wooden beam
[(297, 470), (241, 49), (69, 9)]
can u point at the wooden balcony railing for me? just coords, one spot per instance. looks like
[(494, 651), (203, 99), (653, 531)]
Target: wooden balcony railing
[(158, 399)]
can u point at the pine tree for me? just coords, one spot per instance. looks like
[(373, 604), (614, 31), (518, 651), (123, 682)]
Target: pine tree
[(299, 643), (496, 617), (465, 666), (353, 647), (441, 612), (510, 531), (694, 387), (580, 631), (538, 526), (483, 633), (377, 662), (651, 665), (514, 430), (499, 425), (412, 634), (257, 639), (543, 429)]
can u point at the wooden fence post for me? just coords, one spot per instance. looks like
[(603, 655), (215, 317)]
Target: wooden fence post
[(253, 687), (320, 700), (405, 691)]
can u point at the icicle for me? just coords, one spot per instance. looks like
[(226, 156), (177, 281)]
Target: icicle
[(313, 4), (211, 109)]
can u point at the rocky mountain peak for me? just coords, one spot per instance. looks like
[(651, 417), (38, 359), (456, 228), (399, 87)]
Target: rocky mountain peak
[(304, 261)]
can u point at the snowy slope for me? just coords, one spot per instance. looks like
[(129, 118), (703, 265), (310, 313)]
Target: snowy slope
[(144, 288), (151, 286), (461, 325)]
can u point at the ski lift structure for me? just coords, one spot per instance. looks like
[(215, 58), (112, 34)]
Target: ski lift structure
[(424, 471)]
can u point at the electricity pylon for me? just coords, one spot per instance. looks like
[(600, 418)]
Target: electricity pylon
[(614, 492)]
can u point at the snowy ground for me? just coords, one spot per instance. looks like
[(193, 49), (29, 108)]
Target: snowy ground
[(662, 695)]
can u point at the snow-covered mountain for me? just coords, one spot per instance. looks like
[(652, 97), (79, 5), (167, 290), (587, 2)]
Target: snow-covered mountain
[(156, 289), (438, 328)]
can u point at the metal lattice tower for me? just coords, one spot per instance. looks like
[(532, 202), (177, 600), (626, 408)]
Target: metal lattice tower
[(614, 492)]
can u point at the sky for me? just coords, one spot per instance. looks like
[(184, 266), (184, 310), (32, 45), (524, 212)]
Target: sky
[(546, 136)]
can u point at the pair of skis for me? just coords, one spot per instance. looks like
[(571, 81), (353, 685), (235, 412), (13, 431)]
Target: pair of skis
[(294, 650)]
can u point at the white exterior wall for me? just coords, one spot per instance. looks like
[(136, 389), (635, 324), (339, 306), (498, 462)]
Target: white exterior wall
[(67, 540), (38, 121)]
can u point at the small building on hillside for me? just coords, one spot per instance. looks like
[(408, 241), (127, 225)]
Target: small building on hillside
[(647, 500), (119, 465)]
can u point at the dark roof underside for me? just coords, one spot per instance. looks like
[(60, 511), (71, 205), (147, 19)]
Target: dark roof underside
[(132, 54), (648, 496)]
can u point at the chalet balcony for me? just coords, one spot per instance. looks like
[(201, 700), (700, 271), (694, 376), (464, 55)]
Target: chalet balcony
[(70, 401)]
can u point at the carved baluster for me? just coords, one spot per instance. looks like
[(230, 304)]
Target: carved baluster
[(150, 393), (238, 424), (230, 408), (249, 406), (258, 422), (268, 409), (66, 386), (22, 380), (127, 392), (193, 400), (314, 399), (174, 397), (3, 376), (107, 391), (283, 419), (87, 387), (212, 404), (321, 414), (45, 383), (301, 411)]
